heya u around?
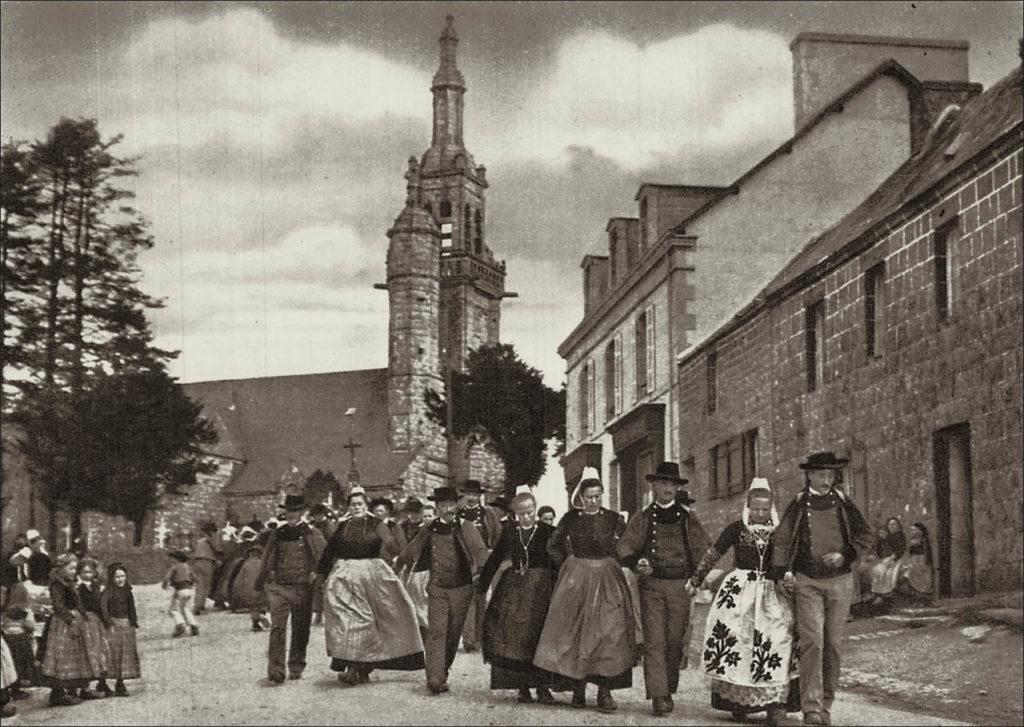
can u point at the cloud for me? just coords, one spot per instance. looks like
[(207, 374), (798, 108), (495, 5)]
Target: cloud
[(710, 89)]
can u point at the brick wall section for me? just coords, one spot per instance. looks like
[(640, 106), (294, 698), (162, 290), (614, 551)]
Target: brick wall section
[(884, 411)]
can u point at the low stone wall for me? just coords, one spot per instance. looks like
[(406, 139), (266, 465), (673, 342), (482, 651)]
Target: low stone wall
[(144, 565)]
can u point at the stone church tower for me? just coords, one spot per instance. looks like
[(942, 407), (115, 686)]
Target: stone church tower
[(444, 288)]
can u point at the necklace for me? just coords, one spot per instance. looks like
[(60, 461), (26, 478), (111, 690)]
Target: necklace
[(761, 536), (525, 565)]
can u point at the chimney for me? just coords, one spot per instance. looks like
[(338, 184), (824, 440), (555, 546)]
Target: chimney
[(825, 65), (595, 281)]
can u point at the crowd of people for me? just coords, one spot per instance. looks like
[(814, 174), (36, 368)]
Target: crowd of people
[(553, 607)]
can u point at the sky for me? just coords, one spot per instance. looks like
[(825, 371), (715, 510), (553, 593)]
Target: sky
[(273, 138)]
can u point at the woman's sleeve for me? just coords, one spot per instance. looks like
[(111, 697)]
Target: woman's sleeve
[(556, 545), (329, 555), (105, 607), (497, 555), (133, 616), (712, 555)]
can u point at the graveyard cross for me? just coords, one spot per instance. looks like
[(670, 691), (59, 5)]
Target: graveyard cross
[(353, 473), (161, 532)]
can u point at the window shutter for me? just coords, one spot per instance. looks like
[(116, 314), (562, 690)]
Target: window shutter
[(618, 373), (651, 351), (593, 395)]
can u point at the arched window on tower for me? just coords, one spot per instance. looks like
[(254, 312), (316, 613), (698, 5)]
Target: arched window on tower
[(467, 218), (478, 236), (446, 224)]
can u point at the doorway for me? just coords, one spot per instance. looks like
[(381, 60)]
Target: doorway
[(954, 510)]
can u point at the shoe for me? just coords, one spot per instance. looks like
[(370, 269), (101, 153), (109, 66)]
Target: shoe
[(9, 710), (295, 675), (364, 675), (179, 630), (775, 713), (256, 626), (661, 706), (195, 631), (524, 696), (85, 693), (19, 693), (441, 689), (103, 689), (277, 679), (813, 718), (579, 697), (350, 676), (605, 702), (120, 690), (544, 696)]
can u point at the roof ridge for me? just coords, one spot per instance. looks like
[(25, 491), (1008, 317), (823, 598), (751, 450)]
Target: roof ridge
[(283, 376)]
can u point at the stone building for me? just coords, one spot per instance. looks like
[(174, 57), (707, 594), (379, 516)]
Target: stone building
[(444, 290), (895, 339), (694, 254)]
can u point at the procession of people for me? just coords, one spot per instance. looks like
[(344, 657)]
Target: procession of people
[(551, 606)]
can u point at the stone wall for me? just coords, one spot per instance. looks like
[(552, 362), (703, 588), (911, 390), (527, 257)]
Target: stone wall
[(884, 411)]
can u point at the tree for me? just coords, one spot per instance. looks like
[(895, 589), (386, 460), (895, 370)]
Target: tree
[(77, 337), (506, 400), (320, 484)]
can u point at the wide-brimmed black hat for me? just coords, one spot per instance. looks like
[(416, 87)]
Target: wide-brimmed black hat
[(823, 461), (471, 487), (667, 471), (293, 502), (501, 502), (445, 494)]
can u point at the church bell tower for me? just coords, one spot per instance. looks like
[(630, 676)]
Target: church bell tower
[(472, 281)]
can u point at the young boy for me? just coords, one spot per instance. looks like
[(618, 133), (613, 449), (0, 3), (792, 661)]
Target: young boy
[(182, 580)]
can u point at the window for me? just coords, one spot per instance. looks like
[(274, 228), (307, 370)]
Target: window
[(613, 378), (874, 309), (814, 316), (712, 382), (732, 464), (478, 238), (592, 388), (584, 401), (640, 335), (446, 209), (943, 278)]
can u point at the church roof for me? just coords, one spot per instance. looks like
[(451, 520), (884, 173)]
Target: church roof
[(275, 422)]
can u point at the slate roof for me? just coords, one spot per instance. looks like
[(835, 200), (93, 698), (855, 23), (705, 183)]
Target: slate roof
[(273, 423), (982, 122)]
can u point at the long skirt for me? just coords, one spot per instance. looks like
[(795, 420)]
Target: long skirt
[(748, 645), (124, 653), (8, 672), (243, 595), (512, 625), (369, 619), (97, 644), (884, 574), (416, 586), (66, 657), (24, 660), (590, 630)]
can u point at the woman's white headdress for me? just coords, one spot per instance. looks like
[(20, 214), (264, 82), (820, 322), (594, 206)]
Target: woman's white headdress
[(759, 483), (589, 474)]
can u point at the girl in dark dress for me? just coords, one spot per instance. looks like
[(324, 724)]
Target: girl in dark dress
[(117, 604), (66, 665), (749, 638), (369, 619), (524, 579), (94, 627), (589, 634)]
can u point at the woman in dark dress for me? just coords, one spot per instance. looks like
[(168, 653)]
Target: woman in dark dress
[(749, 638), (590, 631), (524, 578), (369, 619)]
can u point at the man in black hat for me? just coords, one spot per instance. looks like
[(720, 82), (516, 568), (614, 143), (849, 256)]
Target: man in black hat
[(663, 544), (820, 536), (452, 550), (413, 511), (487, 521), (288, 578)]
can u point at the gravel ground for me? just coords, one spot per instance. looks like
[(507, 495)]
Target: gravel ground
[(218, 678)]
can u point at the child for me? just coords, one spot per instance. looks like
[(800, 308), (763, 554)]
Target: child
[(19, 626), (65, 661), (117, 604), (181, 579), (94, 627)]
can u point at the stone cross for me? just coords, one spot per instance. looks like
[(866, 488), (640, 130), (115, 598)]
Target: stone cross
[(67, 536), (353, 473), (161, 531)]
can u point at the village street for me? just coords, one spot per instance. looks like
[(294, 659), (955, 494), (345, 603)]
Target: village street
[(218, 678)]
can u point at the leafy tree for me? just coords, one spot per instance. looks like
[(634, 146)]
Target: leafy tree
[(503, 398), (320, 484)]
